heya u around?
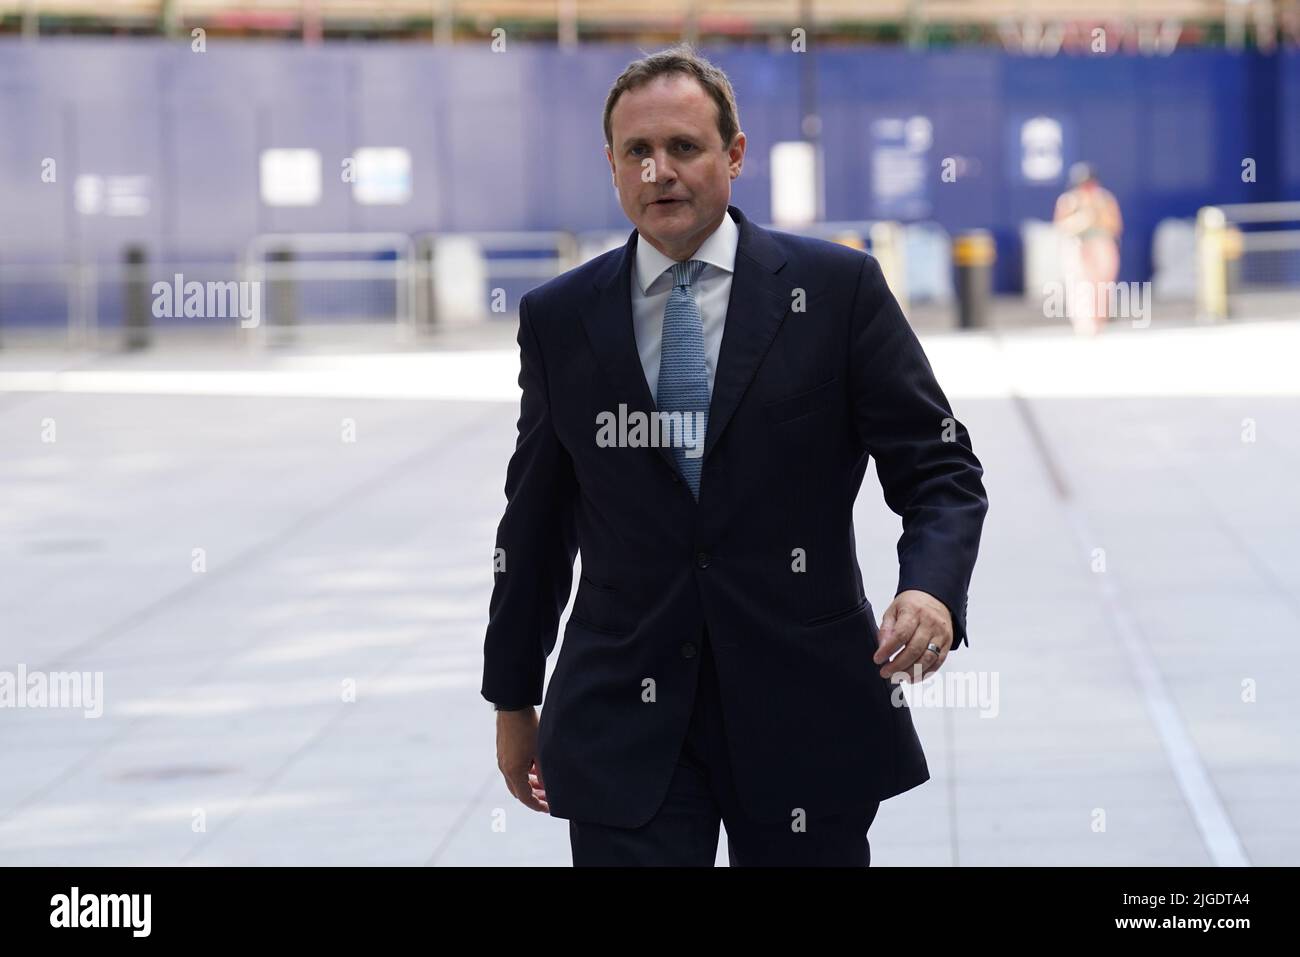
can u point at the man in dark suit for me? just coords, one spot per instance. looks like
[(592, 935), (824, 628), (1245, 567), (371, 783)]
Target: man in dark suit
[(698, 410)]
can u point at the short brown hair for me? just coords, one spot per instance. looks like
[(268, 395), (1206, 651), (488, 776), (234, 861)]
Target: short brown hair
[(679, 59)]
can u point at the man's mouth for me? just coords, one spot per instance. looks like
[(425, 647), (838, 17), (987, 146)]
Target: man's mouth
[(665, 202)]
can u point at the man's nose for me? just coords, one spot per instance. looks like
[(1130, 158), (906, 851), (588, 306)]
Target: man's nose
[(664, 171)]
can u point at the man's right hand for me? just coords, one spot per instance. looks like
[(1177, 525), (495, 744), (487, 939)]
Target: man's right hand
[(517, 757)]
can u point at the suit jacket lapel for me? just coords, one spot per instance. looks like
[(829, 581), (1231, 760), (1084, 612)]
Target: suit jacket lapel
[(610, 332), (760, 300)]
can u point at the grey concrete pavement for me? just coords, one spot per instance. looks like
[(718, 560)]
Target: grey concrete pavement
[(281, 566)]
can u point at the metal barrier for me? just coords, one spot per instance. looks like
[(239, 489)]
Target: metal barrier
[(80, 283), (1231, 260), (564, 244), (463, 272), (85, 292), (435, 277), (276, 258)]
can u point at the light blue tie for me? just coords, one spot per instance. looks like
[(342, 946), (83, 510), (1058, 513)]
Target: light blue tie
[(683, 376)]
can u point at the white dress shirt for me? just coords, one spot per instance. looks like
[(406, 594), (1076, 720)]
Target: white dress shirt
[(712, 290)]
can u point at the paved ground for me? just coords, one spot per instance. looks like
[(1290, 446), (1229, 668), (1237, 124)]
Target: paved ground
[(1137, 603)]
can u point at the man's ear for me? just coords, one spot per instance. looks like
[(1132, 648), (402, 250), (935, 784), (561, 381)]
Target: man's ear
[(736, 155), (613, 174)]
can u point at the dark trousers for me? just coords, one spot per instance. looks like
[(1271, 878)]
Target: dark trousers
[(702, 794)]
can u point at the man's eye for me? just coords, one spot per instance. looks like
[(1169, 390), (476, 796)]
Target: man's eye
[(686, 146)]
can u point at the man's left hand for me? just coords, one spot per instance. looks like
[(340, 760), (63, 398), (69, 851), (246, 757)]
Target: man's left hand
[(913, 620)]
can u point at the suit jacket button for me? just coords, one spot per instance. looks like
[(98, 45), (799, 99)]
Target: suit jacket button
[(702, 559), (688, 650)]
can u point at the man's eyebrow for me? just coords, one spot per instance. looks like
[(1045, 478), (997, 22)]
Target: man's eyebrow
[(676, 137)]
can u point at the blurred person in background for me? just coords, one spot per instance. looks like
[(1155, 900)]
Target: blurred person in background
[(1087, 214)]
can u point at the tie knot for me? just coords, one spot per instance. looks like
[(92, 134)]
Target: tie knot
[(685, 274)]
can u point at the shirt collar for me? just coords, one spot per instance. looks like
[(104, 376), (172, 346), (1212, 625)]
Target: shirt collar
[(718, 250)]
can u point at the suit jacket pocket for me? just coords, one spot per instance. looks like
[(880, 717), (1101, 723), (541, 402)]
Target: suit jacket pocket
[(801, 403), (839, 615), (600, 607), (598, 629)]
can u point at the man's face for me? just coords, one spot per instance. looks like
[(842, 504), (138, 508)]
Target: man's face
[(671, 169)]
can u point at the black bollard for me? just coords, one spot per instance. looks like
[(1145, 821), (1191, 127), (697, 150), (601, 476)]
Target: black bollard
[(1233, 247), (973, 255), (426, 304), (135, 295), (281, 297)]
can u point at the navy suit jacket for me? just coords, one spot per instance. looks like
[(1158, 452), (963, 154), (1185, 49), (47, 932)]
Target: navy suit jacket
[(819, 370)]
